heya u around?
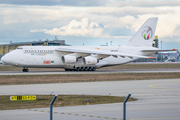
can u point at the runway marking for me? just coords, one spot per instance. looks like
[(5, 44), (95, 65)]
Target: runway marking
[(153, 86), (75, 114), (154, 118), (156, 95)]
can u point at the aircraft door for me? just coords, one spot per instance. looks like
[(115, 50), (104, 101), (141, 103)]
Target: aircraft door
[(27, 59), (119, 49), (34, 61)]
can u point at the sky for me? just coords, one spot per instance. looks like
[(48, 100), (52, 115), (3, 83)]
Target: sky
[(88, 22)]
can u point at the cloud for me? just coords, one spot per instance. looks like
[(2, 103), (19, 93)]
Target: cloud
[(167, 26), (144, 3), (88, 3), (133, 18), (56, 2), (131, 10), (105, 21), (24, 14), (38, 30), (75, 28)]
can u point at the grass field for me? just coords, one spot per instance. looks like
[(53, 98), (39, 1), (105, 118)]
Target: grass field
[(64, 78), (62, 100)]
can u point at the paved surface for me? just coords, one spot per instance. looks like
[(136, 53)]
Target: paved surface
[(157, 100), (87, 72)]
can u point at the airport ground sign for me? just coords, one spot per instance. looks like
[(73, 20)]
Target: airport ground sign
[(25, 97)]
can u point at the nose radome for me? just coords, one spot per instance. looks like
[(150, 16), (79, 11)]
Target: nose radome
[(3, 59), (6, 58)]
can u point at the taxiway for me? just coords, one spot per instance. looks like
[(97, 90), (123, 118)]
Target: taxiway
[(157, 99), (88, 72)]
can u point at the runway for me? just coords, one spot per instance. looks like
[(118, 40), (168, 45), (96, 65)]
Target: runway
[(88, 72), (157, 100)]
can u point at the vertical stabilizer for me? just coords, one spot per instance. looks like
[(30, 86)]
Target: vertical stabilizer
[(145, 35)]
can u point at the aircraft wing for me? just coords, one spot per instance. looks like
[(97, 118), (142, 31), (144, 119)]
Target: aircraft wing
[(98, 52), (158, 50)]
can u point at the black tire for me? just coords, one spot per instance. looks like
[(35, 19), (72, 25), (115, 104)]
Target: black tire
[(86, 69), (81, 69), (89, 69), (93, 69), (77, 69)]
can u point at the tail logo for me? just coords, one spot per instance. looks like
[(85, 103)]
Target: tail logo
[(147, 33)]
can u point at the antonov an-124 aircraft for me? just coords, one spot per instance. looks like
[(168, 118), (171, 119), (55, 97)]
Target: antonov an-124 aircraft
[(84, 58)]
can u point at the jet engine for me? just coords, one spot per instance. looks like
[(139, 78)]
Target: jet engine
[(90, 60), (69, 59)]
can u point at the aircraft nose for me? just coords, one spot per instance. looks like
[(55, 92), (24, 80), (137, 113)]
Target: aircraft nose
[(5, 59)]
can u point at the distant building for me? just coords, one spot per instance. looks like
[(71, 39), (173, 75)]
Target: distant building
[(5, 48)]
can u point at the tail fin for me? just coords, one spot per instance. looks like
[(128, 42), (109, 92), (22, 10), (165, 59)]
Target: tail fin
[(145, 35)]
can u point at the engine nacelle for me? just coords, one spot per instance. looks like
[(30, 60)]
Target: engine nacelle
[(90, 60), (69, 59)]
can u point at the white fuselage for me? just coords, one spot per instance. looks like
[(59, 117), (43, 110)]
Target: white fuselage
[(49, 57)]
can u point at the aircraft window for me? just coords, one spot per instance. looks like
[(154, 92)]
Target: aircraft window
[(19, 48)]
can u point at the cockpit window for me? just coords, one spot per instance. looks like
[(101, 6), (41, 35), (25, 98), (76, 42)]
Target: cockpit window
[(19, 48)]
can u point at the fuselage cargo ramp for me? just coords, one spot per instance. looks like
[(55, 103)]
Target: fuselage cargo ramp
[(84, 58)]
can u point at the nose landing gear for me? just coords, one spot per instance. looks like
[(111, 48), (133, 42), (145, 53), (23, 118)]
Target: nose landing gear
[(25, 70)]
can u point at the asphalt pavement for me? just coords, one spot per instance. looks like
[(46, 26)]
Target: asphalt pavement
[(87, 72), (156, 100)]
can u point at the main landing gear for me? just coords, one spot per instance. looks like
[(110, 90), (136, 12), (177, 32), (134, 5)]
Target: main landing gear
[(25, 70), (82, 69)]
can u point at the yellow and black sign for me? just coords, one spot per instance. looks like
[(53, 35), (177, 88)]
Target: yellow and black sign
[(26, 97)]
